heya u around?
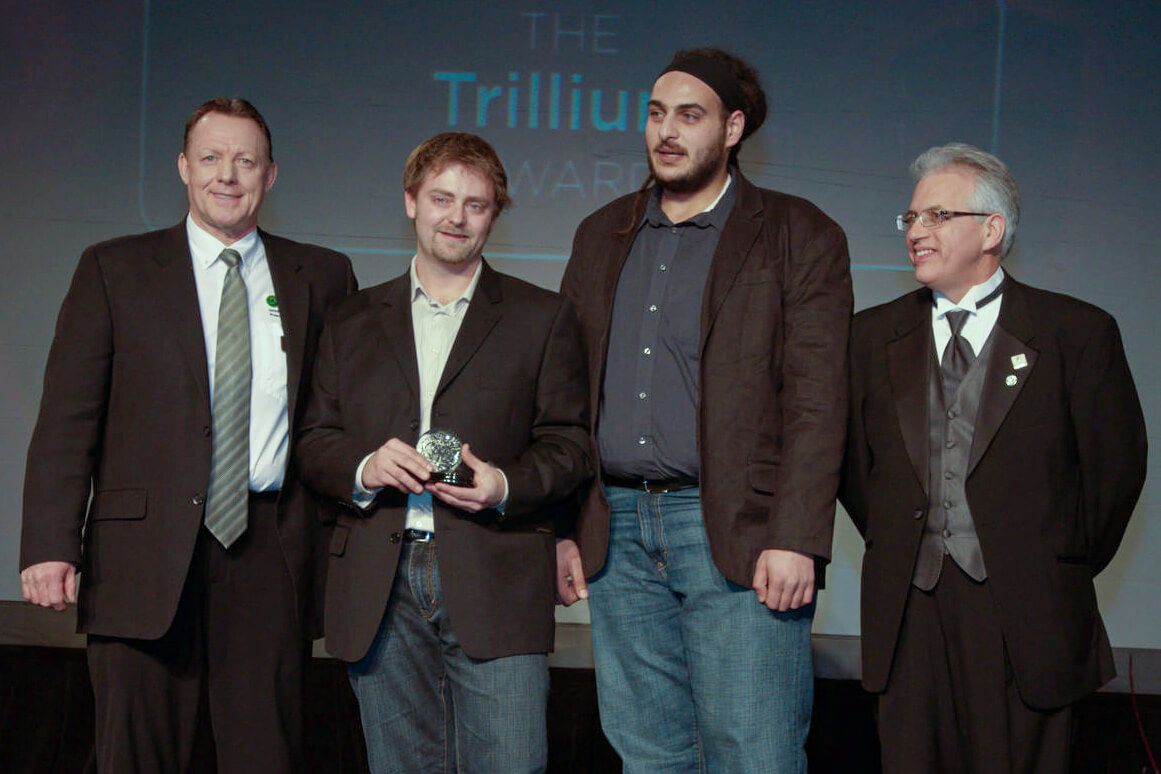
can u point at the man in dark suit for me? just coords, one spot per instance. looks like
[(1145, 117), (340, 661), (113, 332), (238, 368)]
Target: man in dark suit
[(449, 655), (171, 392), (995, 454), (715, 318)]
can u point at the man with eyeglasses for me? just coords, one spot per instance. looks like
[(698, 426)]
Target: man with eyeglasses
[(996, 451)]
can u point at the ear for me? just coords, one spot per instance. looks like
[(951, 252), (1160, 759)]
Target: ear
[(994, 229), (183, 167), (409, 204), (271, 174), (735, 125)]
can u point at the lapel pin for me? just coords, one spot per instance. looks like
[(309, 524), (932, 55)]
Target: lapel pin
[(1019, 361), (1011, 379)]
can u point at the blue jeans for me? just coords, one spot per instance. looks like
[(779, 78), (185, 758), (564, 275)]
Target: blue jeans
[(694, 674), (429, 708)]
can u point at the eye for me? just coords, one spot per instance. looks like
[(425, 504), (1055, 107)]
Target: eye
[(689, 118), (246, 162), (209, 157), (655, 114)]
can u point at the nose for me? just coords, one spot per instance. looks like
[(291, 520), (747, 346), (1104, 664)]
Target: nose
[(226, 172), (916, 231), (458, 214), (668, 128)]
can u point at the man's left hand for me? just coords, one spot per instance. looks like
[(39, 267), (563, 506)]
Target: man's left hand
[(486, 491), (784, 580)]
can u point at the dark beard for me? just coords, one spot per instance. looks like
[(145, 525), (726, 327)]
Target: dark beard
[(696, 178)]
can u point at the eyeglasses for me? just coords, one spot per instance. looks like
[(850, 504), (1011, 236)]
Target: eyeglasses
[(930, 218)]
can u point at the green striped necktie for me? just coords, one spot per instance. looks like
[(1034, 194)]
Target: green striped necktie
[(227, 501)]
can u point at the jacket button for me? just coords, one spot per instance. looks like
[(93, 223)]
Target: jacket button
[(396, 537), (198, 500), (207, 431), (414, 424), (918, 514)]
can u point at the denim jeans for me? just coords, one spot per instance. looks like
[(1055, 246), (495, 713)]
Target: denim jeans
[(429, 708), (694, 674)]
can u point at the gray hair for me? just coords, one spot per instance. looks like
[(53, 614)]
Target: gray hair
[(995, 189)]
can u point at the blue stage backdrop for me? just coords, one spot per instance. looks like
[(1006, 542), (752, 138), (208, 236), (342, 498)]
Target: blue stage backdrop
[(94, 97)]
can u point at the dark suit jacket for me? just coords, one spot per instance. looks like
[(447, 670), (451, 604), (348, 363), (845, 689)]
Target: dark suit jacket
[(513, 388), (1055, 469), (126, 415), (774, 321)]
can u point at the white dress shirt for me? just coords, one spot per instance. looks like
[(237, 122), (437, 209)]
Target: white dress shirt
[(979, 323), (269, 427)]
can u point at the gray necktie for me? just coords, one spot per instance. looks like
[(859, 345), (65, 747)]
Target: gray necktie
[(958, 355), (227, 501)]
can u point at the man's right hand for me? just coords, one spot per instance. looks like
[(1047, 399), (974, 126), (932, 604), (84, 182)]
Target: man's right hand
[(570, 574), (50, 584), (398, 465)]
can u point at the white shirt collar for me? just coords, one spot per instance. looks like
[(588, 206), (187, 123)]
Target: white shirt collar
[(205, 247), (943, 304)]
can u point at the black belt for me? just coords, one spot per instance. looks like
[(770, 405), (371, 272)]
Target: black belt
[(652, 485), (417, 536)]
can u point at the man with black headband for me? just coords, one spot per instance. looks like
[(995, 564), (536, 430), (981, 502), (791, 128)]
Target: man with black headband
[(715, 317), (996, 452)]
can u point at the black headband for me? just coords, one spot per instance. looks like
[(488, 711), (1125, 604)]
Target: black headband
[(717, 75)]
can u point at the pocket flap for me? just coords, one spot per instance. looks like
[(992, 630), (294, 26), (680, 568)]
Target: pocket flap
[(763, 476)]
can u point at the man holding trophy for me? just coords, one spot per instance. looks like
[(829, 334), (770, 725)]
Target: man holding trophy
[(441, 580)]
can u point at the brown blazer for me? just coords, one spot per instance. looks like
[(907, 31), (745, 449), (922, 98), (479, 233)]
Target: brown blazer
[(774, 321), (513, 388), (1056, 466), (125, 414)]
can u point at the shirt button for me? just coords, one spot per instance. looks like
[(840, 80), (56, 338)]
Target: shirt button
[(948, 475), (647, 351), (673, 230), (653, 307), (947, 505), (952, 414), (642, 441), (663, 267), (641, 395), (950, 444), (947, 533)]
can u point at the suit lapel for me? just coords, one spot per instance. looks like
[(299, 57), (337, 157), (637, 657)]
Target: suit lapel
[(177, 298), (908, 360), (293, 294), (1012, 362), (394, 302), (482, 315), (737, 240)]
